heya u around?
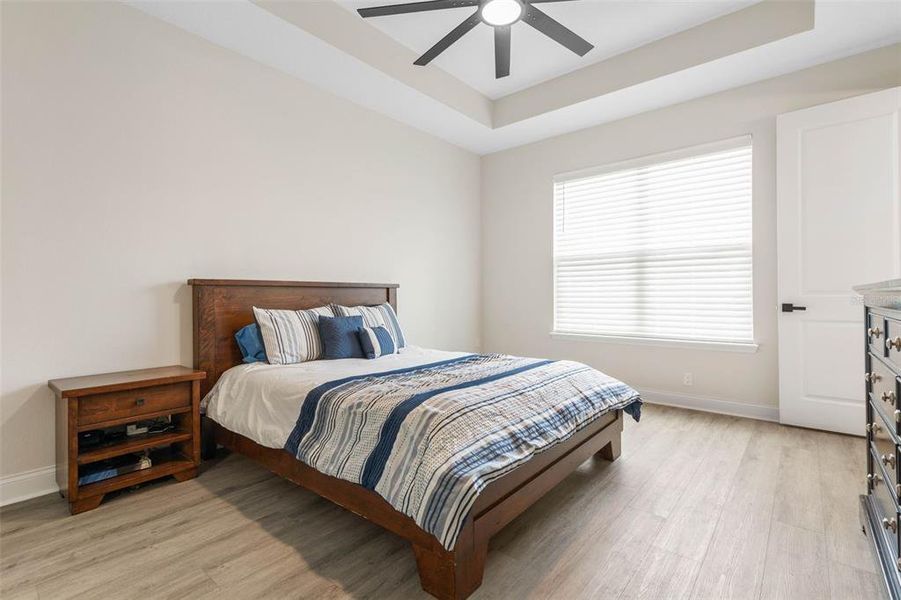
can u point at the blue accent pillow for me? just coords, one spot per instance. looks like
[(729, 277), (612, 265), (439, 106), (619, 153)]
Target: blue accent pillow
[(250, 342), (339, 337), (376, 342)]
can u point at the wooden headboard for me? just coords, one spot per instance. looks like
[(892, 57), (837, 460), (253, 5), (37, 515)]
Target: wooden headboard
[(222, 306)]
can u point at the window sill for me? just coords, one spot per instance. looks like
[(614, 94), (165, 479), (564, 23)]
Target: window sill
[(747, 347)]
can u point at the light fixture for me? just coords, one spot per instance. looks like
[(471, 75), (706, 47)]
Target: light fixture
[(501, 12)]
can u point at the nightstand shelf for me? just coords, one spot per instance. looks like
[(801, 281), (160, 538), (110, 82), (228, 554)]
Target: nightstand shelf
[(111, 400), (173, 467), (132, 419), (136, 443)]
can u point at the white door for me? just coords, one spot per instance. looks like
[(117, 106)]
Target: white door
[(838, 189)]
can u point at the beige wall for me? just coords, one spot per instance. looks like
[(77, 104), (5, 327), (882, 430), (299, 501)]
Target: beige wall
[(136, 155), (517, 288)]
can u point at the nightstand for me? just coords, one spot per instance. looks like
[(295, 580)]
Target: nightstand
[(92, 413)]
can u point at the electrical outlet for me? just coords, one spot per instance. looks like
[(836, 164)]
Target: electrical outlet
[(687, 379)]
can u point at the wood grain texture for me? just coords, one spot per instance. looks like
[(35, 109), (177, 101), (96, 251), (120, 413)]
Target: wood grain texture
[(132, 444), (279, 283), (73, 387), (222, 306), (95, 409), (237, 531)]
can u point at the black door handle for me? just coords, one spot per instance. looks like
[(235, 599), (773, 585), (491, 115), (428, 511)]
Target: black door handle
[(789, 307)]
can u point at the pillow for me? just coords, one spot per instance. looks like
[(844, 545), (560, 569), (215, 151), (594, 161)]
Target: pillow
[(291, 336), (376, 316), (339, 337), (250, 342), (376, 342)]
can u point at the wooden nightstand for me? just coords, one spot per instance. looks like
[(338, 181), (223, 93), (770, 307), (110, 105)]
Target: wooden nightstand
[(112, 400)]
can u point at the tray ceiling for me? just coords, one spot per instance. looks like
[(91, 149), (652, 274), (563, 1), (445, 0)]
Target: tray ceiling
[(648, 55), (613, 26)]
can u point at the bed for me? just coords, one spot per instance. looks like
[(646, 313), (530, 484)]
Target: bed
[(293, 416)]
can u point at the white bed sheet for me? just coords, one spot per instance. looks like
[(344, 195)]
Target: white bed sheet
[(262, 401)]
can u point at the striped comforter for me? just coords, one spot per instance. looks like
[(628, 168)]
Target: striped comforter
[(429, 438)]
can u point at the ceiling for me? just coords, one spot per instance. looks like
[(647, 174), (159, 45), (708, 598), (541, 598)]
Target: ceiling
[(648, 55), (613, 26)]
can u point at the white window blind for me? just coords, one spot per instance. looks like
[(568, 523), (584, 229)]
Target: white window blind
[(658, 248)]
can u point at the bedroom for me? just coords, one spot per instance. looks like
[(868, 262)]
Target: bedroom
[(518, 207)]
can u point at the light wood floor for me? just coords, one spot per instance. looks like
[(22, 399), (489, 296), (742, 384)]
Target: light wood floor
[(698, 506)]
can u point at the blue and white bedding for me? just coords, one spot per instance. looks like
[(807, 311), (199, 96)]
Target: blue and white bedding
[(426, 430)]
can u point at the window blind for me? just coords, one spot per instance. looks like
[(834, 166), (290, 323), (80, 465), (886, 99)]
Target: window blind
[(658, 248)]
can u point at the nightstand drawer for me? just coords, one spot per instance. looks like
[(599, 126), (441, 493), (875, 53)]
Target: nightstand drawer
[(111, 406)]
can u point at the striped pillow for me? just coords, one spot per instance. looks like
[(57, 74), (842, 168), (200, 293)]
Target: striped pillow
[(376, 342), (376, 316), (291, 336)]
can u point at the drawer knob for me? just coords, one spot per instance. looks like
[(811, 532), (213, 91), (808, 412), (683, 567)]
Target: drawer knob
[(890, 524), (140, 401), (874, 332), (873, 479), (872, 377), (893, 343), (889, 397), (888, 460)]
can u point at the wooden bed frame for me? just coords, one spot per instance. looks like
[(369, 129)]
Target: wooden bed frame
[(221, 307)]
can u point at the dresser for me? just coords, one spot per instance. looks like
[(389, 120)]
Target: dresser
[(880, 515)]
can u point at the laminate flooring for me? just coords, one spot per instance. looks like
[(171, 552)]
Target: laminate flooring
[(698, 506)]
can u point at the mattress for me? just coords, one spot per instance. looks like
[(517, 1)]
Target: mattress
[(262, 401)]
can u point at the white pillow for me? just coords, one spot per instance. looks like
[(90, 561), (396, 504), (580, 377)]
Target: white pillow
[(291, 336), (382, 315)]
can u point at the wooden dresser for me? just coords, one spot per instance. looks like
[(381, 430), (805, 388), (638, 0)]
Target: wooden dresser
[(880, 515), (95, 405)]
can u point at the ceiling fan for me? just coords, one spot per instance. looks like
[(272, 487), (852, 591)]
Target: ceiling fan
[(500, 14)]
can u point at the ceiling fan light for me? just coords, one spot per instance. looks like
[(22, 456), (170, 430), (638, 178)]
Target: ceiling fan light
[(501, 12)]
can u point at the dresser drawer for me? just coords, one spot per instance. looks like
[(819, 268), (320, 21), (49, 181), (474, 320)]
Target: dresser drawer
[(883, 388), (885, 452), (876, 334), (111, 406), (888, 509), (893, 341)]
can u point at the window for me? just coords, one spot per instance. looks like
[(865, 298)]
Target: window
[(657, 249)]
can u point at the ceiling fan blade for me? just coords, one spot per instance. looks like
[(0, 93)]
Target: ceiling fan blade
[(400, 9), (455, 34), (501, 51), (554, 30)]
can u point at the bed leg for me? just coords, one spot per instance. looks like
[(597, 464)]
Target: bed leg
[(452, 574), (207, 438), (612, 450)]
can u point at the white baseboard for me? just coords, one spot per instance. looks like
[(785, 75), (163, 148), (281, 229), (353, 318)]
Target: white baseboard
[(714, 405), (30, 484)]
